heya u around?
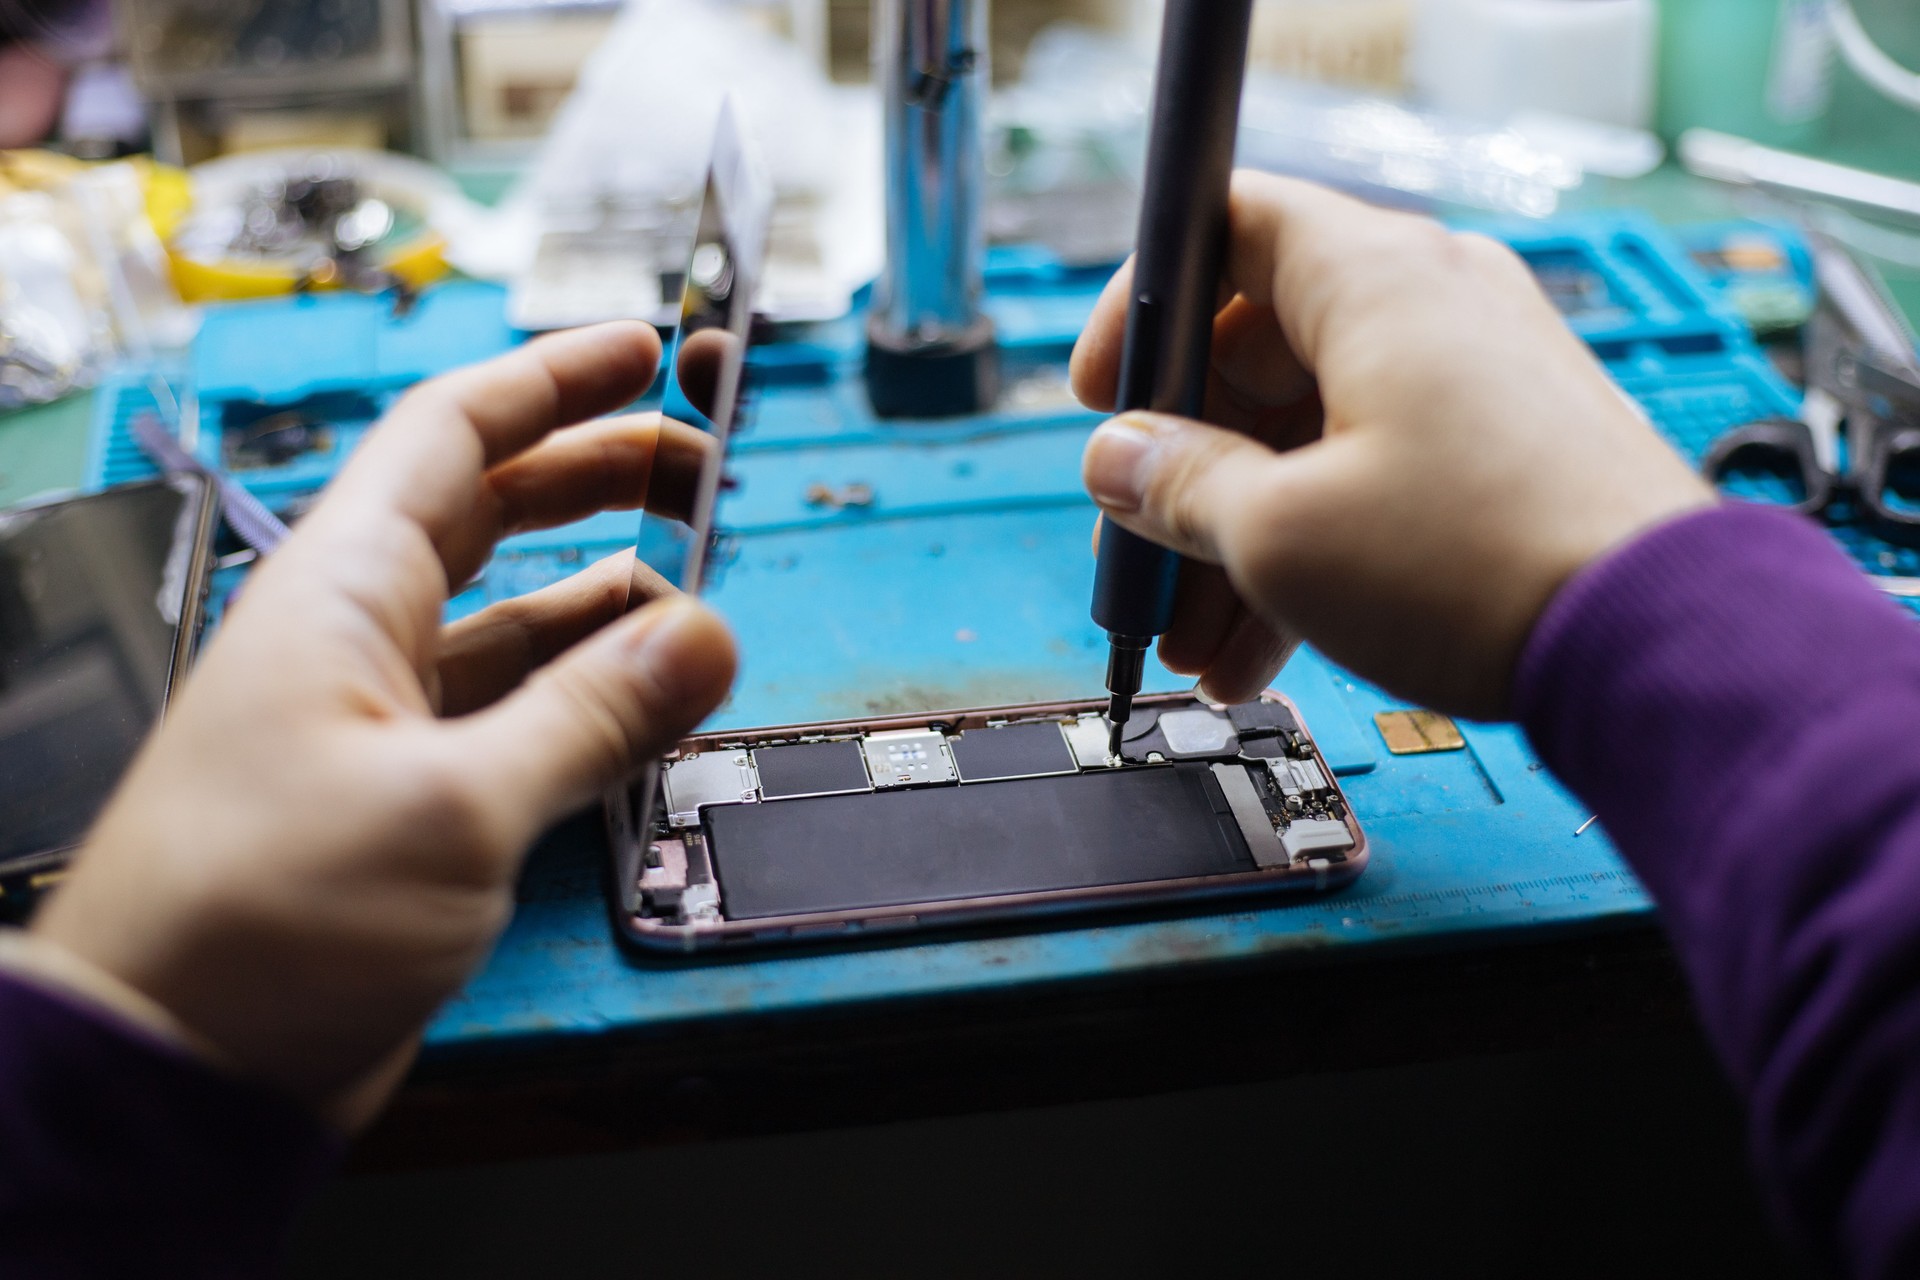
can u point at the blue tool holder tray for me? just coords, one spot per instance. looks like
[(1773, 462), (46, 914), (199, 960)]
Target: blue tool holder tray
[(1655, 319), (962, 578), (1658, 322)]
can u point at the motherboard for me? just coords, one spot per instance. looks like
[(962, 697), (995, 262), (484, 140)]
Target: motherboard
[(780, 824)]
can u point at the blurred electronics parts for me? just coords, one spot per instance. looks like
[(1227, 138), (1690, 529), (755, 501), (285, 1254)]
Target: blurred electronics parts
[(82, 275), (277, 222), (223, 75)]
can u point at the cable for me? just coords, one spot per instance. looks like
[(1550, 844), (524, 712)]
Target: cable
[(1868, 60)]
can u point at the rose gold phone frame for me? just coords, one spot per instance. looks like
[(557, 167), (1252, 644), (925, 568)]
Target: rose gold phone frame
[(869, 922)]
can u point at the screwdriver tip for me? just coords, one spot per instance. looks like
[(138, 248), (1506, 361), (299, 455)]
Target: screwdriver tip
[(1119, 710)]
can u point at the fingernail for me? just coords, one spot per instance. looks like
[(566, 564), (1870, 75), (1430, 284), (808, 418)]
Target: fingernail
[(1118, 463), (672, 651)]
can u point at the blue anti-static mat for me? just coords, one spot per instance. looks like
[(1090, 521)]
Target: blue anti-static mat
[(966, 582)]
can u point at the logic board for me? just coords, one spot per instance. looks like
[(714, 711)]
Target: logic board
[(842, 828)]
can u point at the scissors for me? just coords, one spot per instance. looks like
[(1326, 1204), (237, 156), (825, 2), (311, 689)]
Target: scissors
[(1855, 446)]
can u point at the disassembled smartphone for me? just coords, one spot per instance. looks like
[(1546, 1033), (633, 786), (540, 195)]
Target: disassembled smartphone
[(101, 601), (862, 826), (894, 824)]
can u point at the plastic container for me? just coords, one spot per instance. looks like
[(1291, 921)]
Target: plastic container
[(1493, 59)]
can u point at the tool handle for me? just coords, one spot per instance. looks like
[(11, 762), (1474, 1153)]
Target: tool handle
[(1133, 584), (1180, 251), (1181, 241)]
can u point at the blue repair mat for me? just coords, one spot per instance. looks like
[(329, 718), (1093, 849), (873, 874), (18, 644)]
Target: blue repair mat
[(961, 577)]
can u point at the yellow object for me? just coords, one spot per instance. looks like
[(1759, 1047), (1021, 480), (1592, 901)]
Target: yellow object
[(169, 196), (418, 264), (1412, 733), (168, 191), (203, 272)]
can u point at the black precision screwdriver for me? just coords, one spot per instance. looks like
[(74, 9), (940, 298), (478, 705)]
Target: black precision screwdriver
[(1179, 251)]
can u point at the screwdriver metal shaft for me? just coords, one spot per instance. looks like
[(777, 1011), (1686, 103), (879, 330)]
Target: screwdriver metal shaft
[(1126, 664)]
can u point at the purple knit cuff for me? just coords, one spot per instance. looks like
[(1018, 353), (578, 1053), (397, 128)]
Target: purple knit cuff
[(123, 1155), (1663, 673), (1756, 567), (1565, 635)]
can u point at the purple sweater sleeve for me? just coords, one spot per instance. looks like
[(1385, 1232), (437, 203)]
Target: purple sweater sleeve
[(1743, 712), (122, 1156)]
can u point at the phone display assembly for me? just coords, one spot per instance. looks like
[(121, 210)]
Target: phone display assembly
[(101, 602), (894, 824), (705, 387)]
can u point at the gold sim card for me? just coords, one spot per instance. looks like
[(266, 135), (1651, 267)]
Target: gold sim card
[(1412, 733)]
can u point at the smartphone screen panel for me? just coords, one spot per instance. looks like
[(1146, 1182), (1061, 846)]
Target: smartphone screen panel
[(99, 602)]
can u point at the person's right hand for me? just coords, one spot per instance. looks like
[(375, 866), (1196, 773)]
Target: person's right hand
[(1418, 453)]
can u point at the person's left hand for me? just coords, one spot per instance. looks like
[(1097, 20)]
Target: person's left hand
[(319, 844)]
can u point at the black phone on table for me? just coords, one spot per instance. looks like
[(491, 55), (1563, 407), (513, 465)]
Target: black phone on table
[(102, 598)]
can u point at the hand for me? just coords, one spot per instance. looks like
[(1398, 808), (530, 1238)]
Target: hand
[(1417, 454), (320, 843)]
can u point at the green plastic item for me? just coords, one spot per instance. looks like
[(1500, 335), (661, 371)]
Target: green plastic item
[(1760, 69), (44, 448)]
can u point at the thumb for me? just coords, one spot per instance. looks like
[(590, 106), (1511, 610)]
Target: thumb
[(587, 719), (1180, 483)]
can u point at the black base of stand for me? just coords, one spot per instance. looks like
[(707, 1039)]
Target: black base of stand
[(935, 379)]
